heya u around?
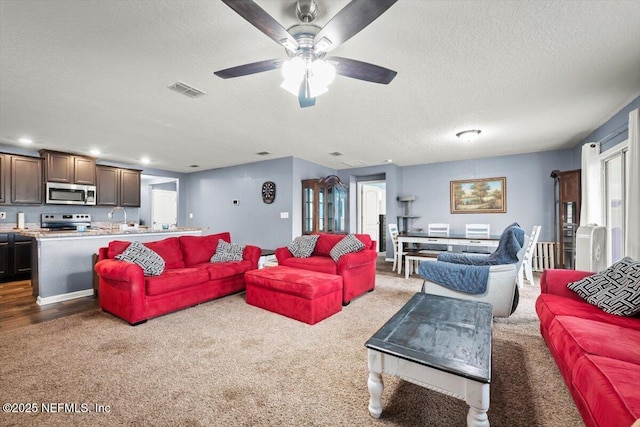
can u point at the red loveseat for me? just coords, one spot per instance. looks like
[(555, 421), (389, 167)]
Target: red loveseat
[(598, 354), (358, 269), (189, 277)]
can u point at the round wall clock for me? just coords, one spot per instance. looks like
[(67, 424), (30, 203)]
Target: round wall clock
[(268, 192)]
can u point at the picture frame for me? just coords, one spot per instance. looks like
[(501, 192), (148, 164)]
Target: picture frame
[(485, 195)]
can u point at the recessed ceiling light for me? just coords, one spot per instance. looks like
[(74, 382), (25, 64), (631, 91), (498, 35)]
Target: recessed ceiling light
[(25, 141), (94, 152), (389, 160), (145, 160), (468, 135)]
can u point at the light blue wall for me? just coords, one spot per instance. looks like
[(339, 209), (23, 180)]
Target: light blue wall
[(529, 193), (611, 133), (209, 196)]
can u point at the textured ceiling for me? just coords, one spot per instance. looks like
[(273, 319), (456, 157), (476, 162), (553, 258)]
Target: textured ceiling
[(532, 75)]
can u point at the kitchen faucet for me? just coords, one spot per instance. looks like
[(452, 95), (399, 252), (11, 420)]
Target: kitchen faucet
[(118, 208)]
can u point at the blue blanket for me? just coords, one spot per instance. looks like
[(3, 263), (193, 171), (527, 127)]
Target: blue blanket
[(470, 273)]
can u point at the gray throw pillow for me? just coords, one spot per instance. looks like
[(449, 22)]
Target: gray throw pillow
[(348, 244), (227, 252), (152, 264), (303, 246), (615, 290)]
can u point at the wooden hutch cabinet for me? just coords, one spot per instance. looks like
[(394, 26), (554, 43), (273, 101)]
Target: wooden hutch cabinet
[(567, 197), (117, 186), (324, 207), (68, 168)]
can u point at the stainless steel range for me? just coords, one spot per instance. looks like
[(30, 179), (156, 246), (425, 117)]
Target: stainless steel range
[(56, 222)]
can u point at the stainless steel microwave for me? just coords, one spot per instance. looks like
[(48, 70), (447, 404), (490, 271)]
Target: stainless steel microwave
[(70, 194)]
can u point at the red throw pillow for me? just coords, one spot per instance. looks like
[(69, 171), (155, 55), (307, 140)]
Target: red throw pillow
[(199, 249)]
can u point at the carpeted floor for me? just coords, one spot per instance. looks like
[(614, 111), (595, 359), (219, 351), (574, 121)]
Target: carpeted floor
[(225, 363)]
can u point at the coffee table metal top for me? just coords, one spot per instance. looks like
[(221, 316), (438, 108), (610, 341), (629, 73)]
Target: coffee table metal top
[(448, 334)]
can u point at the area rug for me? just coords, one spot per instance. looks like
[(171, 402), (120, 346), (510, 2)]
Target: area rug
[(225, 363)]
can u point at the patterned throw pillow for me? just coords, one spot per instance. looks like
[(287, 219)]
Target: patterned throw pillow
[(227, 252), (348, 244), (615, 290), (303, 246), (152, 264)]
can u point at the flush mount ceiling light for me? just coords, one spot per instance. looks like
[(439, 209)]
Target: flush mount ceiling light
[(468, 135), (25, 141)]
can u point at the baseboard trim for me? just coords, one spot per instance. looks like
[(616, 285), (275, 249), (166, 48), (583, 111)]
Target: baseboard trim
[(388, 259), (64, 297)]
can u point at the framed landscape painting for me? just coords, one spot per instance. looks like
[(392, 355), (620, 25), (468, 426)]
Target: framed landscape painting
[(487, 195)]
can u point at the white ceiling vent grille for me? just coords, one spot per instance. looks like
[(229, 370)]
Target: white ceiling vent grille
[(186, 90)]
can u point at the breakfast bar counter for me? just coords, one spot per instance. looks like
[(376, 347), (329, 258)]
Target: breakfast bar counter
[(62, 261)]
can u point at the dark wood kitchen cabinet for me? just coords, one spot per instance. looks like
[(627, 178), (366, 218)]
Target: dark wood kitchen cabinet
[(68, 168), (15, 257), (23, 180), (20, 179), (117, 186)]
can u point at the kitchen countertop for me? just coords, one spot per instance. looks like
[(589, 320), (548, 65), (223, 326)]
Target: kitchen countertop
[(43, 233)]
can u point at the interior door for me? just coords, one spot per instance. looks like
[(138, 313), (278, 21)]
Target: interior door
[(370, 197), (164, 208)]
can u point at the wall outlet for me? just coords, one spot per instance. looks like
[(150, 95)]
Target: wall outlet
[(3, 215), (190, 215)]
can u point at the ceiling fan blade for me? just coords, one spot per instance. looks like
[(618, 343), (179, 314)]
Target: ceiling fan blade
[(253, 68), (304, 95), (354, 17), (362, 70), (260, 19)]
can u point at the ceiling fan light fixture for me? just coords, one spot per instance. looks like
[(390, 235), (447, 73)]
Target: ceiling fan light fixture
[(320, 76), (469, 135)]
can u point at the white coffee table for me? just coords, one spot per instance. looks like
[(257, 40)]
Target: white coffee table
[(439, 343)]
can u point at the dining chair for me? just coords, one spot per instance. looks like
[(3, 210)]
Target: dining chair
[(397, 258), (477, 231), (436, 230), (525, 269)]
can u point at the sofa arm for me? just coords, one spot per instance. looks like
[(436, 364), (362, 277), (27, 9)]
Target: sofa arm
[(555, 282), (121, 271), (252, 253), (282, 254), (356, 259)]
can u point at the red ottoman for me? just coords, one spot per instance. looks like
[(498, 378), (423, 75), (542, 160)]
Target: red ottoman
[(304, 295)]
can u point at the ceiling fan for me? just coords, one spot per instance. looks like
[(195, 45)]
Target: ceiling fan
[(309, 72)]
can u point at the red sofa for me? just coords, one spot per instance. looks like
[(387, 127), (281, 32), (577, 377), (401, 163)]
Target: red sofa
[(598, 354), (189, 277), (358, 269)]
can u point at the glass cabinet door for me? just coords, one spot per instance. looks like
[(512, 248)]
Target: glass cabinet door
[(323, 208), (307, 209)]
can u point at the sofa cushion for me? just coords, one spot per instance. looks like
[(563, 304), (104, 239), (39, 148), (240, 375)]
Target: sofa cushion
[(347, 245), (615, 290), (222, 270), (174, 279), (320, 264), (168, 249), (227, 252), (327, 241), (303, 246), (574, 337), (548, 306), (608, 390), (199, 249), (152, 264)]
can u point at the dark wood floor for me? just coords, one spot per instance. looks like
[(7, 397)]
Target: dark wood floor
[(18, 307)]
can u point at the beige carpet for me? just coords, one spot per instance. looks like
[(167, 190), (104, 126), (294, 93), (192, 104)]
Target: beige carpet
[(225, 363)]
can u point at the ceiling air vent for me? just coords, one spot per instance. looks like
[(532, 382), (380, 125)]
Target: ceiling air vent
[(336, 153), (263, 153), (187, 90)]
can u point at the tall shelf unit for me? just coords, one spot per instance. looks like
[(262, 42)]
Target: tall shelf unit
[(406, 219), (324, 207), (567, 197)]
